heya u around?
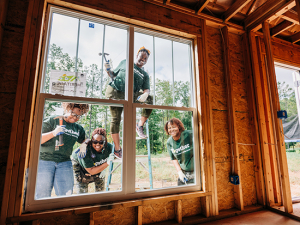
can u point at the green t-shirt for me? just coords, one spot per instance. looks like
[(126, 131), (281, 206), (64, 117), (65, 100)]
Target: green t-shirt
[(141, 78), (73, 133), (93, 158), (182, 150)]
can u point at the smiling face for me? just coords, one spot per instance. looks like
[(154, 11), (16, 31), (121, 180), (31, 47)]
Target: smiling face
[(141, 59), (98, 142), (73, 115), (174, 131)]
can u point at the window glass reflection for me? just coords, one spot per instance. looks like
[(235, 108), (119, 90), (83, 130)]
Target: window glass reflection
[(165, 156), (76, 154)]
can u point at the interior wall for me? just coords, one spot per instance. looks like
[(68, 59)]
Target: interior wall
[(10, 60)]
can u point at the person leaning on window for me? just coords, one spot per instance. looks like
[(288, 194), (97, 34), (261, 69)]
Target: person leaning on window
[(55, 166), (116, 90), (89, 169), (180, 148)]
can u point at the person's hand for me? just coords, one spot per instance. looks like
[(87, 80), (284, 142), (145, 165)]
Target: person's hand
[(182, 177), (143, 97), (110, 158), (81, 151), (102, 174), (107, 66), (59, 130)]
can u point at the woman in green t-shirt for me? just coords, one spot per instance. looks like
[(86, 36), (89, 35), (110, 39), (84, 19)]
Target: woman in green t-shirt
[(55, 166), (141, 91), (180, 148), (90, 169)]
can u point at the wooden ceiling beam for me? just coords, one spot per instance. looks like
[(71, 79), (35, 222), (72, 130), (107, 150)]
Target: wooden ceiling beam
[(235, 8), (290, 16), (201, 5), (295, 38), (281, 27), (267, 11), (251, 7)]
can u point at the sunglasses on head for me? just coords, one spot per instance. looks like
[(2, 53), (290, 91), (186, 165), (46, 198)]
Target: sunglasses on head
[(98, 142)]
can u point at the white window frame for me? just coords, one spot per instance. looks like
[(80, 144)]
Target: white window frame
[(129, 142)]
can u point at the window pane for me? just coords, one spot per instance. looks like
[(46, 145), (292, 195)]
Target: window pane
[(161, 158), (165, 71), (81, 50), (66, 166)]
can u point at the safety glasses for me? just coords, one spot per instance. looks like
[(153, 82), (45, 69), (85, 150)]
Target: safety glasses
[(98, 142)]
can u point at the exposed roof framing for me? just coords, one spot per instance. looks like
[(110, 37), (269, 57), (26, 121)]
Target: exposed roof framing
[(281, 27), (266, 11), (281, 15), (235, 8), (201, 5)]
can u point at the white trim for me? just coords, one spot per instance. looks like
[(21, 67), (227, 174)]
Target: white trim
[(129, 141)]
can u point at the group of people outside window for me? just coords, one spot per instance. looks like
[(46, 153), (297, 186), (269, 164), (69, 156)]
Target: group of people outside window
[(67, 170)]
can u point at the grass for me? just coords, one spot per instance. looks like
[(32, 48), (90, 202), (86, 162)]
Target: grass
[(293, 159)]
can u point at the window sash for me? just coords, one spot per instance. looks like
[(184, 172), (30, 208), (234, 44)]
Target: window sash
[(129, 140)]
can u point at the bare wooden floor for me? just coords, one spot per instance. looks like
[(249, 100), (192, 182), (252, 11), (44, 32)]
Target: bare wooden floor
[(263, 217)]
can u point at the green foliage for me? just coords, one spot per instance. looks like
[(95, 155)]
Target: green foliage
[(99, 115), (287, 99)]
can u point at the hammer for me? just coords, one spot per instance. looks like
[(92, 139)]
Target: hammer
[(60, 141), (110, 73)]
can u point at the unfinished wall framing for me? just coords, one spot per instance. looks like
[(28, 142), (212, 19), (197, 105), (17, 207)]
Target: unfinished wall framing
[(228, 103)]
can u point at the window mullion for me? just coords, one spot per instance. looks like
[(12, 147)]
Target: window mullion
[(173, 74), (129, 121)]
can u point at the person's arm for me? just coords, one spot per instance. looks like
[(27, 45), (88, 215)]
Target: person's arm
[(96, 169), (176, 164), (147, 91), (47, 136), (100, 168)]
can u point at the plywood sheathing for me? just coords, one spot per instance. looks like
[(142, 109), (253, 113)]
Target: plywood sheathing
[(191, 207), (120, 216), (243, 125), (10, 56), (158, 212)]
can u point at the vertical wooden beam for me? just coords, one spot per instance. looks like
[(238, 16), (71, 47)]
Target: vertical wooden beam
[(261, 119), (286, 191), (12, 197), (3, 12), (259, 178), (238, 193), (92, 218), (179, 211), (209, 204), (270, 142), (140, 215)]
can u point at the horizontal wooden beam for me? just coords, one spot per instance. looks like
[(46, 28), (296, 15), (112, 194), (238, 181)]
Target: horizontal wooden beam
[(288, 6), (201, 5), (265, 12), (295, 38), (281, 27), (89, 209), (290, 16), (234, 9)]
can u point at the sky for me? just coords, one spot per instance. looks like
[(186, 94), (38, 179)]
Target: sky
[(64, 33)]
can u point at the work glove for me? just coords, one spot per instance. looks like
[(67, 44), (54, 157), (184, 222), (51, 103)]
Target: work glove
[(102, 174), (81, 151), (60, 129), (110, 158), (143, 97), (107, 66), (182, 177)]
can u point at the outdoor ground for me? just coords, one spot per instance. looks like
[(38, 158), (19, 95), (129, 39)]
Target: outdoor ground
[(294, 171)]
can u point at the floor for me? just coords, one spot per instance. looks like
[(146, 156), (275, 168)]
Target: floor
[(263, 217)]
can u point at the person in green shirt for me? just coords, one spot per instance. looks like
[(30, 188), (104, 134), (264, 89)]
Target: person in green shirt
[(55, 166), (116, 90), (180, 148)]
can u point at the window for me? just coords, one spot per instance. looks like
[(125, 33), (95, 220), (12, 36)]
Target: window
[(116, 116)]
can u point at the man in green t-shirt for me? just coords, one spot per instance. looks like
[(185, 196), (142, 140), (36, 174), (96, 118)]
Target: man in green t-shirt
[(181, 151), (91, 168), (116, 90)]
